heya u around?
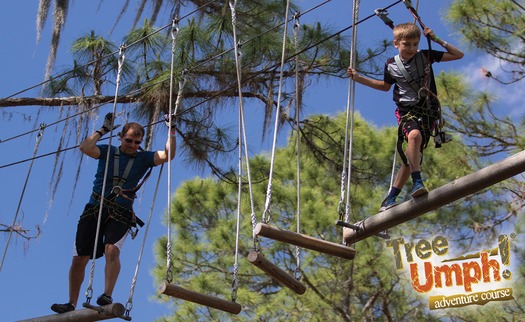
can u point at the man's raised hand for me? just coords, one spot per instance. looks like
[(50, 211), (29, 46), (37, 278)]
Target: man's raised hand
[(109, 125)]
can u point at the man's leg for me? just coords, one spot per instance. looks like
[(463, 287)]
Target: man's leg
[(76, 277), (112, 268)]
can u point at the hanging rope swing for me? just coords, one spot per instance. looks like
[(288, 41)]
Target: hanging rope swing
[(344, 206), (167, 288), (295, 238), (255, 257)]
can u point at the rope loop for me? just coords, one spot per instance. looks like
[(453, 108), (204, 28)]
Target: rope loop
[(169, 271), (238, 52), (89, 294), (121, 56), (174, 27), (341, 206), (235, 287), (256, 244), (296, 23), (266, 213), (128, 307), (298, 274)]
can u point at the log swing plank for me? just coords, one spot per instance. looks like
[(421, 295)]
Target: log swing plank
[(278, 274), (304, 241), (203, 299), (438, 197), (115, 310)]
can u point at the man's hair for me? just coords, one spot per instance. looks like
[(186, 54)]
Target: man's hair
[(406, 31), (135, 127)]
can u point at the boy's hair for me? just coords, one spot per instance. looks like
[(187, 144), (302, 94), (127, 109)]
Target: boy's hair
[(138, 130), (406, 31)]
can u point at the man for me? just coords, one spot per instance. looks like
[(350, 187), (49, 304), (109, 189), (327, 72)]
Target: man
[(126, 166)]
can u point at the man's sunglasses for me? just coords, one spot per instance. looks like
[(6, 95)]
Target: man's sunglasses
[(131, 141)]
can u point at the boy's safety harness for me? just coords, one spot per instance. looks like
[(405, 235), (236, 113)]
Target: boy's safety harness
[(426, 112), (115, 210)]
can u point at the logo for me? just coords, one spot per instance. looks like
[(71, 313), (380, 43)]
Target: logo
[(472, 279)]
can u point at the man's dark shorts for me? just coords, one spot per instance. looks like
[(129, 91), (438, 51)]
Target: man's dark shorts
[(111, 231)]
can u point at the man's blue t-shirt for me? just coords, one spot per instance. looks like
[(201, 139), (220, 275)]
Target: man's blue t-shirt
[(143, 160)]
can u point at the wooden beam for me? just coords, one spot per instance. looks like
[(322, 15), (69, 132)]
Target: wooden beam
[(438, 197), (203, 299), (278, 274), (304, 241), (111, 311)]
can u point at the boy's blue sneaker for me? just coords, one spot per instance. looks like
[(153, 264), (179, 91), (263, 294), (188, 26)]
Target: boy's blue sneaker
[(418, 189), (388, 203)]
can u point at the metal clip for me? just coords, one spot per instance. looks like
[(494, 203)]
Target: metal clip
[(383, 14)]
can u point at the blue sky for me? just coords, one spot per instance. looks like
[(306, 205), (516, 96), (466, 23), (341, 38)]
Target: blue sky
[(34, 274)]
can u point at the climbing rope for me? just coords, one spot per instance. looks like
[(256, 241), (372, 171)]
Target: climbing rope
[(171, 113), (39, 136), (89, 290), (349, 127), (129, 303), (243, 143), (266, 212), (296, 29)]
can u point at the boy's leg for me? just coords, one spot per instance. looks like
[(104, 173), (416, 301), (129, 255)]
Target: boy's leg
[(413, 153), (402, 176)]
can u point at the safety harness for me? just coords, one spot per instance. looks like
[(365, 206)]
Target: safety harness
[(116, 211), (426, 112)]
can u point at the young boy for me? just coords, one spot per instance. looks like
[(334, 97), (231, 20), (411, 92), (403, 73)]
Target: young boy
[(416, 116)]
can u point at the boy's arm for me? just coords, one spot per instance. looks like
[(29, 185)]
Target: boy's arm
[(373, 83), (452, 52)]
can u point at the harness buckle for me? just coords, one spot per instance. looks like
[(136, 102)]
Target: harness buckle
[(442, 138), (133, 232), (117, 190)]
